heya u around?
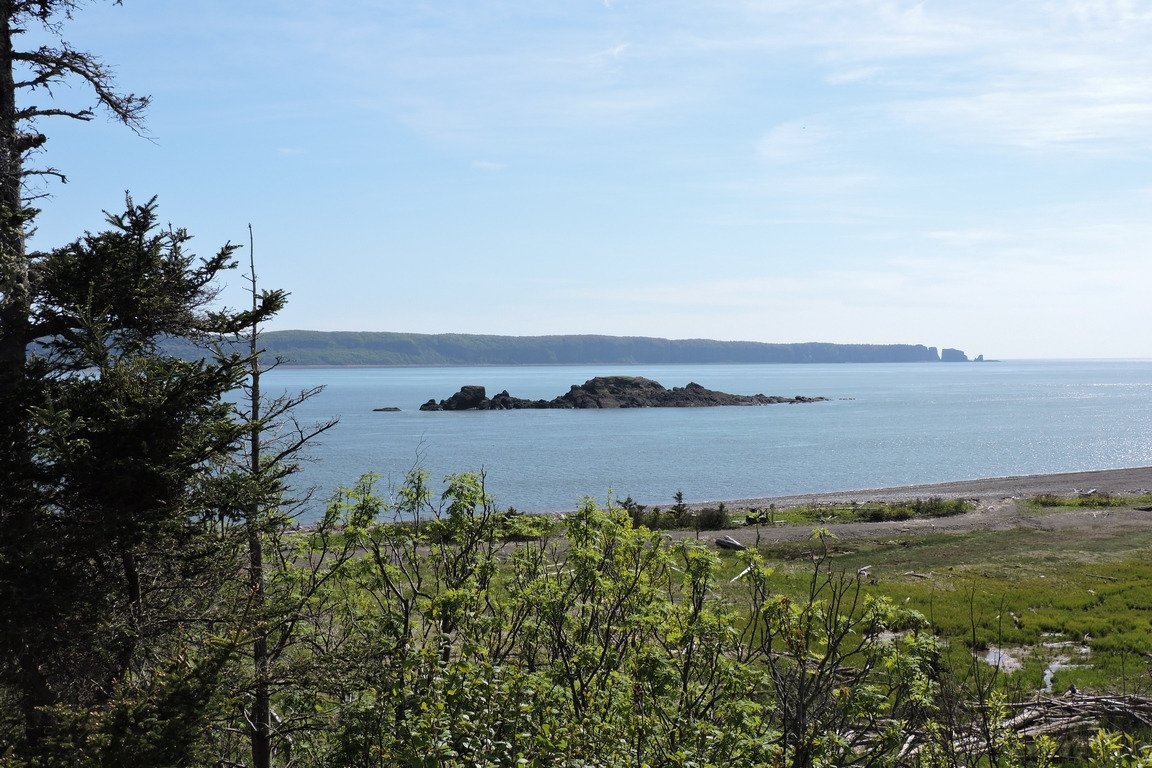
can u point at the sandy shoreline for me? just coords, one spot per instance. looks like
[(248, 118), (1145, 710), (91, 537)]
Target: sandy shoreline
[(1118, 482)]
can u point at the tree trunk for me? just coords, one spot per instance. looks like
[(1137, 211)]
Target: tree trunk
[(261, 705), (14, 287), (17, 514)]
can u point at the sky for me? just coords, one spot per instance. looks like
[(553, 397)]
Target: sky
[(962, 174)]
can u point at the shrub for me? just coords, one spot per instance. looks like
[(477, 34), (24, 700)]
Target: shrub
[(1093, 500), (713, 518), (516, 526)]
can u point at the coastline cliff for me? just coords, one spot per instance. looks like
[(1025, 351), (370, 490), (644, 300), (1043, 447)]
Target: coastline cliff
[(339, 348)]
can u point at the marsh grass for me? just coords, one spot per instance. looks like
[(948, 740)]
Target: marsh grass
[(1093, 500), (1018, 589), (867, 512)]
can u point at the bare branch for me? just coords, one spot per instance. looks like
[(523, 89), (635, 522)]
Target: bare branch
[(47, 172), (51, 66), (31, 113)]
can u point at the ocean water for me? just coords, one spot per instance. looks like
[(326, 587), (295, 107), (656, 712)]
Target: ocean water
[(885, 425)]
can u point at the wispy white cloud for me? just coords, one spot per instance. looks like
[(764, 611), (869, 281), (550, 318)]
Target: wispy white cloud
[(1080, 104)]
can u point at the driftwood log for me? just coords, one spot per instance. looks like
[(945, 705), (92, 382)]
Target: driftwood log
[(1070, 716)]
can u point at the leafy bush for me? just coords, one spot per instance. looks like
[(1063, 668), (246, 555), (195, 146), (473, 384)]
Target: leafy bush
[(712, 518), (516, 526), (1093, 500), (877, 514), (870, 512)]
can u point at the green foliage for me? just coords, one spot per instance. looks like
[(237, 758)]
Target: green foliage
[(712, 518), (1118, 750), (1018, 589), (680, 513), (905, 510), (1093, 500), (869, 512), (416, 631), (516, 526), (161, 720), (112, 537), (603, 646), (677, 517)]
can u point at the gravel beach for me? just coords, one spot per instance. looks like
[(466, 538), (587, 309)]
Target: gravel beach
[(1118, 482), (996, 507)]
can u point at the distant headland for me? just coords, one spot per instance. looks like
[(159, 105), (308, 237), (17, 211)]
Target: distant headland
[(350, 348)]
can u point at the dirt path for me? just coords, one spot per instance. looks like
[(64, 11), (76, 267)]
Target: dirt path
[(996, 510)]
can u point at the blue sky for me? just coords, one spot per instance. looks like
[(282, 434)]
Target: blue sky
[(965, 174)]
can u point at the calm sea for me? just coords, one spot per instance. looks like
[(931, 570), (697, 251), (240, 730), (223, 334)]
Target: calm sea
[(885, 425)]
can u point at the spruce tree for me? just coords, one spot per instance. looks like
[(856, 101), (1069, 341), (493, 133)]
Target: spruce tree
[(110, 555)]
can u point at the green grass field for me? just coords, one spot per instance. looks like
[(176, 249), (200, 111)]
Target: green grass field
[(1082, 601)]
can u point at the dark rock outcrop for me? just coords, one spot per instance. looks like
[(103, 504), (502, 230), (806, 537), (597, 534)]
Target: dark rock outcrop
[(609, 392), (468, 398)]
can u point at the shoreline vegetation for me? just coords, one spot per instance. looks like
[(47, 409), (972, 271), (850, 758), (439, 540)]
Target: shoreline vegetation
[(1104, 502), (1123, 481), (1117, 482)]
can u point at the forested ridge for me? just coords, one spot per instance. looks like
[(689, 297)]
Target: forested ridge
[(337, 348)]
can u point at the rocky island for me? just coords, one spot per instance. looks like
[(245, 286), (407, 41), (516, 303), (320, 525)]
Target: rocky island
[(608, 392)]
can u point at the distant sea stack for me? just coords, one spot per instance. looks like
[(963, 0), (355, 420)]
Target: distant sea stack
[(340, 348), (609, 392)]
